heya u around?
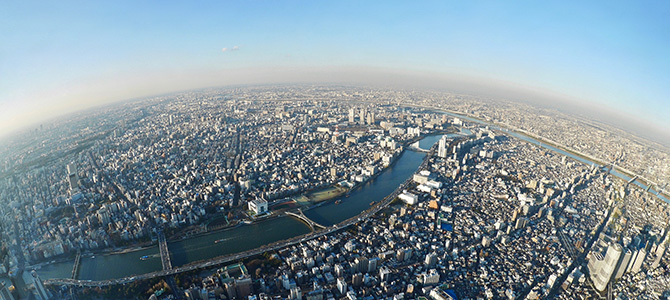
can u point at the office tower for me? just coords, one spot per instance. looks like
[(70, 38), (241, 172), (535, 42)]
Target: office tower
[(42, 293), (431, 259), (521, 223), (362, 117), (357, 279), (5, 293), (442, 147), (296, 293), (72, 176), (602, 268), (372, 264), (623, 265), (352, 115), (384, 273), (341, 286), (639, 259), (243, 287)]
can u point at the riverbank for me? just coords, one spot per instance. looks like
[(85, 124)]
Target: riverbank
[(278, 233), (506, 128), (201, 231), (205, 252)]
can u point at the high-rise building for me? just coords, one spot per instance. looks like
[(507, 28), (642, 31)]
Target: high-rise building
[(431, 277), (372, 264), (341, 286), (521, 223), (258, 206), (352, 115), (371, 118), (361, 264), (230, 289), (602, 268), (623, 265), (296, 293), (431, 259), (384, 273), (71, 169), (357, 279), (243, 287), (657, 262), (5, 293), (73, 179), (639, 259), (442, 147), (42, 293)]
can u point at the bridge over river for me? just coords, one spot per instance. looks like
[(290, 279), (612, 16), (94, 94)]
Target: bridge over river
[(372, 210), (165, 252), (301, 216)]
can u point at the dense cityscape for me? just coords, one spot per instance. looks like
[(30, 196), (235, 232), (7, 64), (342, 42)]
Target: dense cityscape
[(501, 200)]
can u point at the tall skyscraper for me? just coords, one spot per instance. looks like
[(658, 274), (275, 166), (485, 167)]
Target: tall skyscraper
[(602, 269), (639, 259), (5, 294), (442, 147), (296, 293), (371, 118), (352, 115), (431, 259), (623, 265), (341, 286), (73, 179), (42, 293)]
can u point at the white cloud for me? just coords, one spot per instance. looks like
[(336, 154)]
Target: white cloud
[(234, 48)]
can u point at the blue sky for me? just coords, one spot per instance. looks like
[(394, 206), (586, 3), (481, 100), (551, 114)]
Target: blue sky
[(57, 56)]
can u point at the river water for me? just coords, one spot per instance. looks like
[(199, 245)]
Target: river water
[(557, 150), (248, 237), (245, 237)]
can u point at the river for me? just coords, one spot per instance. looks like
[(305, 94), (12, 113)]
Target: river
[(248, 237), (557, 150), (245, 237)]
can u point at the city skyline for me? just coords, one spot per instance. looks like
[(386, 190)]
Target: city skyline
[(68, 56), (334, 150), (341, 192)]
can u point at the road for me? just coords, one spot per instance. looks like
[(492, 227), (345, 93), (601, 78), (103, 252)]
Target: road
[(238, 256)]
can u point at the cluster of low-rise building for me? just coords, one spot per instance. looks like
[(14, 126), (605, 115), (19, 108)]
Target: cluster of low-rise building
[(179, 160), (489, 216)]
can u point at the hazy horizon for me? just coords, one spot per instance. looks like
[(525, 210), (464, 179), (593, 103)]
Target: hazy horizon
[(58, 58), (382, 78)]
